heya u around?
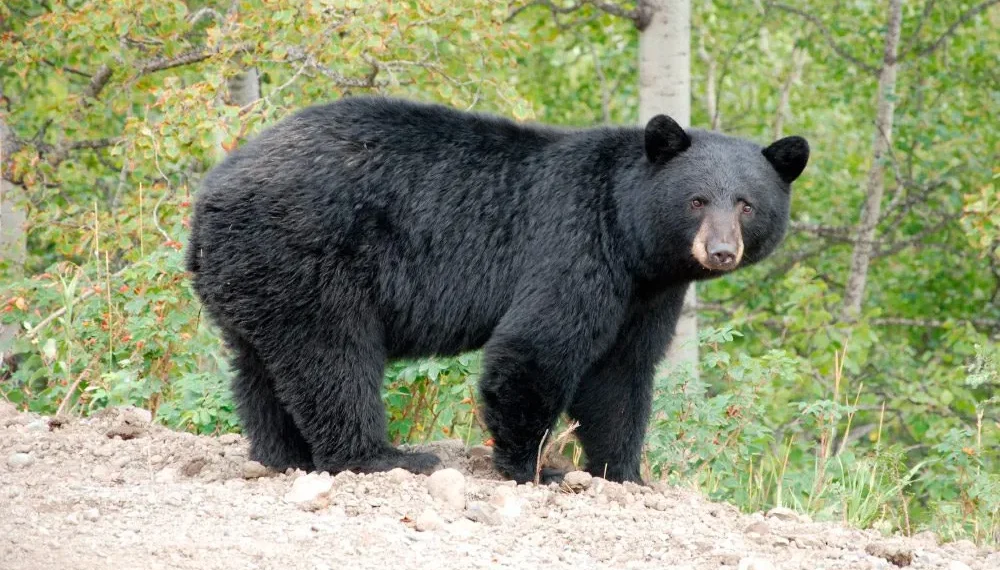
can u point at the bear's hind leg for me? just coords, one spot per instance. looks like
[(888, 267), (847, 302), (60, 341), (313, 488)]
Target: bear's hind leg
[(330, 381), (275, 440)]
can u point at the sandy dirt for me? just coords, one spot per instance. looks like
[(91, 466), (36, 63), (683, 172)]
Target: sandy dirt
[(115, 492)]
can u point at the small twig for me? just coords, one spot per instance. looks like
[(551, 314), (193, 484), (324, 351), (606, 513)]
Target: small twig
[(544, 451), (65, 405)]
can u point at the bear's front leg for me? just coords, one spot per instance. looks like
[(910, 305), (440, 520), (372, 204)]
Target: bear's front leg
[(613, 400), (532, 366)]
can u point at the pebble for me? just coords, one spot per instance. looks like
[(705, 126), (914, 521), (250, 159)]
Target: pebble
[(895, 552), (229, 438), (447, 486), (783, 514), (310, 492), (399, 475), (507, 503), (106, 450), (91, 515), (19, 460), (38, 425), (254, 470), (480, 451), (429, 520), (166, 475), (755, 564), (758, 527), (578, 480), (482, 513), (956, 565)]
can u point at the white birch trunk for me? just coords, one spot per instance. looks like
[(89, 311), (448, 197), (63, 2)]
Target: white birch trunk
[(665, 87), (875, 186)]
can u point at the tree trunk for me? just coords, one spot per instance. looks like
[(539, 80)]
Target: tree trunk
[(665, 87), (875, 186), (13, 249)]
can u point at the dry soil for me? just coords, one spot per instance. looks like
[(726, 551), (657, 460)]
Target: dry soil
[(114, 491)]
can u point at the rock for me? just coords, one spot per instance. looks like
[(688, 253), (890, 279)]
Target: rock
[(101, 473), (482, 513), (726, 558), (462, 528), (19, 460), (656, 502), (578, 480), (895, 552), (229, 438), (166, 475), (926, 538), (106, 450), (956, 565), (480, 451), (429, 520), (254, 470), (507, 503), (783, 514), (448, 487), (755, 564), (38, 425), (130, 423), (91, 515), (194, 467), (758, 527), (399, 475), (310, 492)]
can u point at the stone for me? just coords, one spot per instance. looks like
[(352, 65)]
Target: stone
[(578, 481), (482, 513), (429, 520), (166, 475), (758, 527), (399, 475), (19, 460), (895, 552), (507, 503), (254, 470), (783, 514), (447, 486), (756, 564), (310, 492)]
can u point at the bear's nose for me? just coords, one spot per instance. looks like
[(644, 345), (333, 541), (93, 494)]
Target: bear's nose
[(722, 255)]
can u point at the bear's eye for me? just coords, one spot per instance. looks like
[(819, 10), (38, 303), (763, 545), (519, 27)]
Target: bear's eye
[(747, 208), (697, 203)]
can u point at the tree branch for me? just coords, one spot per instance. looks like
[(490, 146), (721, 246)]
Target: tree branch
[(827, 35), (637, 15), (965, 17)]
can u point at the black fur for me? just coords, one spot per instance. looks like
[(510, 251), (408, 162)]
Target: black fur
[(373, 228)]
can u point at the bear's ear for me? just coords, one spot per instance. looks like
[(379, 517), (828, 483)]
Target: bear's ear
[(788, 156), (665, 139)]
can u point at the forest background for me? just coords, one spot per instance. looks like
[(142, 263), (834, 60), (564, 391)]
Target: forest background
[(852, 376)]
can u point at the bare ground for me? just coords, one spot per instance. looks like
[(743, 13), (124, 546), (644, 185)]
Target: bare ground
[(115, 492)]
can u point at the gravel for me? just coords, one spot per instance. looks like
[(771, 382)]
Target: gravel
[(116, 491)]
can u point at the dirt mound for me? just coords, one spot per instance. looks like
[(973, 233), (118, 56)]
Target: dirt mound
[(114, 491)]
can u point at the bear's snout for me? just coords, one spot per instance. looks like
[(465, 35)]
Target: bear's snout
[(718, 245)]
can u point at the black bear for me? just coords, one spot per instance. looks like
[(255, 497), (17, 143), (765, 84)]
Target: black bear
[(375, 228)]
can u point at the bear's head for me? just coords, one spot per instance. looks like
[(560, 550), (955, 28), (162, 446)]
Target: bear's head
[(716, 202)]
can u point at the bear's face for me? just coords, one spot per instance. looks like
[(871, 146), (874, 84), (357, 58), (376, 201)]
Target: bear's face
[(721, 202)]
